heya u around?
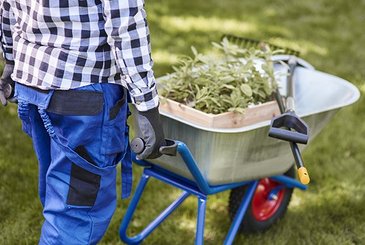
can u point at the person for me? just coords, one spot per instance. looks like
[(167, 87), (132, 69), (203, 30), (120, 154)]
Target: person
[(75, 65)]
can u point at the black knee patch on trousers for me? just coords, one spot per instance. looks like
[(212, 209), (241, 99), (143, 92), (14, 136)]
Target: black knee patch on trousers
[(84, 187)]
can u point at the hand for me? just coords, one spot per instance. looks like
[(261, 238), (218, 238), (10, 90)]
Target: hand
[(6, 84), (150, 131)]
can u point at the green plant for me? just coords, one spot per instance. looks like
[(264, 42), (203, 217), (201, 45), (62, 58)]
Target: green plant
[(229, 79)]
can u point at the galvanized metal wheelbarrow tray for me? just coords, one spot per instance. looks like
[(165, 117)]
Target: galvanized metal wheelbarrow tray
[(210, 160)]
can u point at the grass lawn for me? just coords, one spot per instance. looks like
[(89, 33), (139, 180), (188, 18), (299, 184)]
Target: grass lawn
[(329, 34)]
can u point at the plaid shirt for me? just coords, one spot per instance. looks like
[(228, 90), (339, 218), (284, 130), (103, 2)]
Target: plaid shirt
[(66, 44)]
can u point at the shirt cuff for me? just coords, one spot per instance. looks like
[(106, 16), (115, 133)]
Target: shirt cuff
[(147, 100)]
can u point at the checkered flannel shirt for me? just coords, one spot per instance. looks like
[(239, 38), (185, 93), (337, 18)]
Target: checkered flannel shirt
[(66, 44)]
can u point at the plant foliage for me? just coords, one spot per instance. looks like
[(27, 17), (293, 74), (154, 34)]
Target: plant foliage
[(231, 78)]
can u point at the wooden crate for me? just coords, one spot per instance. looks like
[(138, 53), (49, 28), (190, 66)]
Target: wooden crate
[(251, 116)]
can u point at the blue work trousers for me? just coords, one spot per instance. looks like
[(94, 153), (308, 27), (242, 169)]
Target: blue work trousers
[(79, 137)]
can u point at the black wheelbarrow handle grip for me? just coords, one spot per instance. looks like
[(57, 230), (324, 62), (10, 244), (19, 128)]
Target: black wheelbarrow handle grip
[(289, 127), (287, 135), (170, 149)]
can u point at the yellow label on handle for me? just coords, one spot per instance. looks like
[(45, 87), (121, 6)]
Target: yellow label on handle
[(303, 175)]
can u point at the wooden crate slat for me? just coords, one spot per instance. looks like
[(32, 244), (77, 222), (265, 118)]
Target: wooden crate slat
[(252, 115)]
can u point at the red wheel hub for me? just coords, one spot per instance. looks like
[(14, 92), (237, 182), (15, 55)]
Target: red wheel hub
[(267, 199)]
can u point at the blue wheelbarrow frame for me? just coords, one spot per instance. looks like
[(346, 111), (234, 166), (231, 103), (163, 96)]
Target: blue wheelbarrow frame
[(318, 87), (199, 188)]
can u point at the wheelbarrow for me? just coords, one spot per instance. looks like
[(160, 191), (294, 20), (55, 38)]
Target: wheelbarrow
[(257, 169)]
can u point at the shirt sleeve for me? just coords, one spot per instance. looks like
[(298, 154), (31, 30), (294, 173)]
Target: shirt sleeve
[(7, 20), (129, 37)]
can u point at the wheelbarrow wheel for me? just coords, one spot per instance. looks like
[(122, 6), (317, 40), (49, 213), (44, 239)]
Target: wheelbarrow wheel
[(268, 204)]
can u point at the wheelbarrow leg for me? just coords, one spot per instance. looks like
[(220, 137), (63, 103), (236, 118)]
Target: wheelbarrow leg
[(241, 213), (137, 239), (130, 211), (200, 224)]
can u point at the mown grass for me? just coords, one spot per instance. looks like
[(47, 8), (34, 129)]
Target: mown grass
[(330, 36)]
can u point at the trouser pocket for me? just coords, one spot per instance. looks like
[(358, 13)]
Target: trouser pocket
[(114, 140), (90, 186), (113, 135)]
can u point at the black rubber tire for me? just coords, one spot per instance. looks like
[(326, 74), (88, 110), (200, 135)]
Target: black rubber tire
[(249, 223)]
